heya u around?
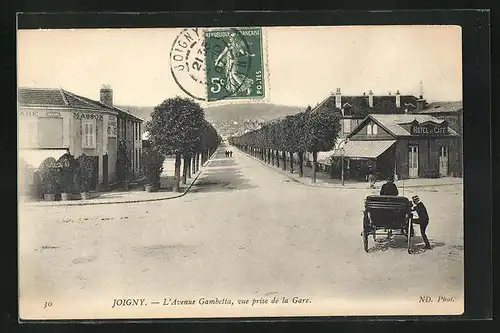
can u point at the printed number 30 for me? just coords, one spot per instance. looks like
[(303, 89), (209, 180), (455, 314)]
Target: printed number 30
[(47, 305), (216, 87)]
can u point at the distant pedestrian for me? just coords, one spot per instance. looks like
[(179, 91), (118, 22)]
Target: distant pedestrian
[(422, 220), (389, 188), (227, 153), (370, 176), (230, 153)]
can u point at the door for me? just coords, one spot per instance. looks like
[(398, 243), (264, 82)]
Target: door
[(105, 168), (413, 161), (443, 161)]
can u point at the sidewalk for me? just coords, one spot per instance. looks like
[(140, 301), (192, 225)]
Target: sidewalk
[(134, 194), (323, 179)]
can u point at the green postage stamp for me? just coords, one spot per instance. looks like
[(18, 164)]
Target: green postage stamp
[(234, 64)]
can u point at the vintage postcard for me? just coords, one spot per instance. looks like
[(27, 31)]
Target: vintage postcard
[(240, 172)]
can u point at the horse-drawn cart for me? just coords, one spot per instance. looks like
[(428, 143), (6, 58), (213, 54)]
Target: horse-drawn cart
[(385, 214)]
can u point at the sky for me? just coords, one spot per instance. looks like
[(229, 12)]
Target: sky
[(304, 64)]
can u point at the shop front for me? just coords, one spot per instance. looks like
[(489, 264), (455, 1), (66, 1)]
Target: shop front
[(403, 146)]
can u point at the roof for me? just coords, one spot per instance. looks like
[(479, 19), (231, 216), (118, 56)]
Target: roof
[(392, 122), (443, 107), (365, 149), (58, 97), (358, 105)]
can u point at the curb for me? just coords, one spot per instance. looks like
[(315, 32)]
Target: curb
[(130, 201), (334, 186)]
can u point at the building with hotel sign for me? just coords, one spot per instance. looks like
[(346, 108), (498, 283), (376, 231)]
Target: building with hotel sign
[(403, 145), (55, 121)]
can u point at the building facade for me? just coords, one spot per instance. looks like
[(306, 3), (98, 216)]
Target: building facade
[(354, 109), (452, 112), (55, 121), (404, 146)]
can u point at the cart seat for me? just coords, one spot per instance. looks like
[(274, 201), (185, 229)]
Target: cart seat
[(387, 202)]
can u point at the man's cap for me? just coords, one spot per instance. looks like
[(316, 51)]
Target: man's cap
[(415, 197)]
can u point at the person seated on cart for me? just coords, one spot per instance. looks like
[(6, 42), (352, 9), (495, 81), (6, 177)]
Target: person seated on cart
[(389, 188), (422, 220)]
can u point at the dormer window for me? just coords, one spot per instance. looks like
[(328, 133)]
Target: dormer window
[(371, 129)]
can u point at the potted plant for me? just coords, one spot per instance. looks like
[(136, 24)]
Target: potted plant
[(123, 164), (152, 167), (49, 175), (84, 176), (67, 166)]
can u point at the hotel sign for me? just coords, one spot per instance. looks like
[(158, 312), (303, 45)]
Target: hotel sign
[(429, 128)]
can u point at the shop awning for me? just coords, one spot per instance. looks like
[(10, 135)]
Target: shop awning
[(365, 149), (35, 157)]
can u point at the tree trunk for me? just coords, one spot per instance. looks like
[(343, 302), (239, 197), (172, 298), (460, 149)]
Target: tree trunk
[(188, 166), (301, 164), (177, 172), (197, 162), (291, 162), (184, 170), (277, 158), (283, 154), (314, 166)]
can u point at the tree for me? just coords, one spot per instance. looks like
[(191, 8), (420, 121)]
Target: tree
[(152, 165), (176, 127), (322, 127)]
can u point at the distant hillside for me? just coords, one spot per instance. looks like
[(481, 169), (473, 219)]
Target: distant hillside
[(233, 119)]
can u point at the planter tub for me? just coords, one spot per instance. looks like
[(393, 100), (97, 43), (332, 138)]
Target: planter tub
[(49, 197), (149, 188), (65, 196), (85, 195)]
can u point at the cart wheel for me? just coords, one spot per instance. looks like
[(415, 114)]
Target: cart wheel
[(410, 224), (374, 237)]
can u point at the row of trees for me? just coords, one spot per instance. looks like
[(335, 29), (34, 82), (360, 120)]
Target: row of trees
[(178, 128), (308, 131)]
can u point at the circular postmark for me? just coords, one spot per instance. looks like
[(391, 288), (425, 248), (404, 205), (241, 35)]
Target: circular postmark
[(211, 66), (187, 63)]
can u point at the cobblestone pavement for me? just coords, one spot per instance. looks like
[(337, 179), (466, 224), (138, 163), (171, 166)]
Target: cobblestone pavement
[(243, 229)]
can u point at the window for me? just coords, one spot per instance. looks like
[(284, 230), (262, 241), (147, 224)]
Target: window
[(369, 129), (89, 133), (50, 132), (374, 129), (347, 125)]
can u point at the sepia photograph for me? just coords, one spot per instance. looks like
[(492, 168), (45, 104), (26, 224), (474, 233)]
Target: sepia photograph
[(229, 172)]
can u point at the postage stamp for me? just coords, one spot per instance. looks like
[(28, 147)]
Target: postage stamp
[(234, 64)]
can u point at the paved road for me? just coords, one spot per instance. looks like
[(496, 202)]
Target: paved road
[(244, 229)]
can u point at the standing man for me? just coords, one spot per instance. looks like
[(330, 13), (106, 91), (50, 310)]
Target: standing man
[(422, 220)]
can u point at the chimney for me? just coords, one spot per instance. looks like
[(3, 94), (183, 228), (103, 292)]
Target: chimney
[(398, 99), (338, 99), (370, 99), (421, 103), (107, 95)]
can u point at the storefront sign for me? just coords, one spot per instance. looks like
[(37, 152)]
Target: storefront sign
[(429, 129), (29, 113), (53, 114), (81, 115), (112, 127)]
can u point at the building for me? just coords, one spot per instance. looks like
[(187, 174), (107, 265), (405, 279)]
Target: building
[(55, 121), (403, 145), (452, 112), (354, 108)]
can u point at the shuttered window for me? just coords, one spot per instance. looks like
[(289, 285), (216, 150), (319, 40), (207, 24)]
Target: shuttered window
[(89, 133)]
